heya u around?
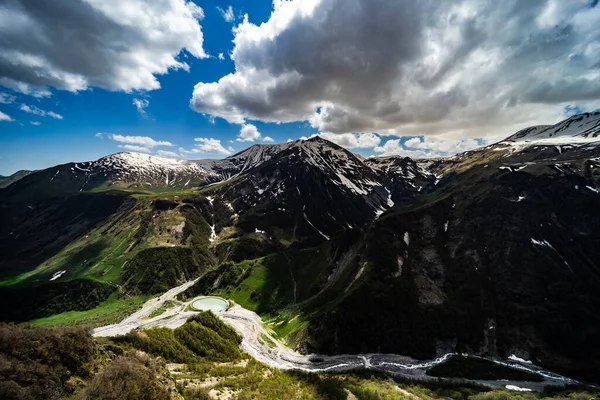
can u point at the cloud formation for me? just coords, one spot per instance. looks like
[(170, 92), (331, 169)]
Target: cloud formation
[(353, 140), (227, 13), (7, 98), (166, 153), (133, 147), (4, 117), (248, 133), (38, 111), (140, 105), (458, 68), (207, 145), (425, 147), (143, 144), (119, 45)]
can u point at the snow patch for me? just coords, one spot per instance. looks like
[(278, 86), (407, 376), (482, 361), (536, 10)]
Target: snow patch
[(517, 389), (317, 229), (511, 168), (517, 359), (57, 275), (54, 176), (213, 234), (350, 185), (406, 238), (400, 263), (541, 243), (592, 189), (545, 243), (358, 274), (390, 203)]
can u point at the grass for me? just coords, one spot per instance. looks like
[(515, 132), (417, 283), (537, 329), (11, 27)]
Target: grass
[(111, 311), (267, 340), (167, 305), (243, 294), (103, 252), (285, 324), (98, 255)]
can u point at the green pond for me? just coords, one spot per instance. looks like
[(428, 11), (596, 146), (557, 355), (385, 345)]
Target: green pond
[(214, 304)]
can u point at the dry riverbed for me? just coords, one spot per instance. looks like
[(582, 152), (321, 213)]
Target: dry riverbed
[(275, 354)]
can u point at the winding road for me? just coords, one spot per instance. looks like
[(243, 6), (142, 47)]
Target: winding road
[(275, 354)]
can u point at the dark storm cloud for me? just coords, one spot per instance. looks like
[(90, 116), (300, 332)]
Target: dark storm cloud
[(407, 67)]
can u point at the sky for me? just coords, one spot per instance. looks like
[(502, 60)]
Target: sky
[(81, 79)]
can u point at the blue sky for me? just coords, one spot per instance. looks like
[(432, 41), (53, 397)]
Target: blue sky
[(380, 78), (169, 117)]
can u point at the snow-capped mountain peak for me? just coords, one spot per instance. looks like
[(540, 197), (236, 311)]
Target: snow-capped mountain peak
[(582, 128)]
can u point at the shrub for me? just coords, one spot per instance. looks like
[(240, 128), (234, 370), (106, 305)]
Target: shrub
[(130, 377)]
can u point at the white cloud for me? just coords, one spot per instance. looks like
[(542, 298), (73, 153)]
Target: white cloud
[(168, 154), (207, 145), (144, 141), (448, 147), (32, 110), (426, 147), (4, 117), (268, 139), (393, 147), (131, 147), (353, 140), (221, 56), (36, 123), (119, 45), (99, 135), (248, 133), (458, 68), (54, 115), (38, 111), (7, 98), (140, 105), (227, 13)]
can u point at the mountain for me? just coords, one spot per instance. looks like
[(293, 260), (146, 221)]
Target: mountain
[(242, 161), (577, 129), (7, 180), (492, 252), (117, 171)]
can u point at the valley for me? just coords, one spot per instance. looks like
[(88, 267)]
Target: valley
[(260, 343), (334, 264)]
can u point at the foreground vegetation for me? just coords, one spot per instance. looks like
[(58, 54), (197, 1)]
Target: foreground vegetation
[(200, 360)]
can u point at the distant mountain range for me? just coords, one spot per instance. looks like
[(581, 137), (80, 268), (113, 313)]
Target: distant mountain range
[(493, 251), (7, 180)]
